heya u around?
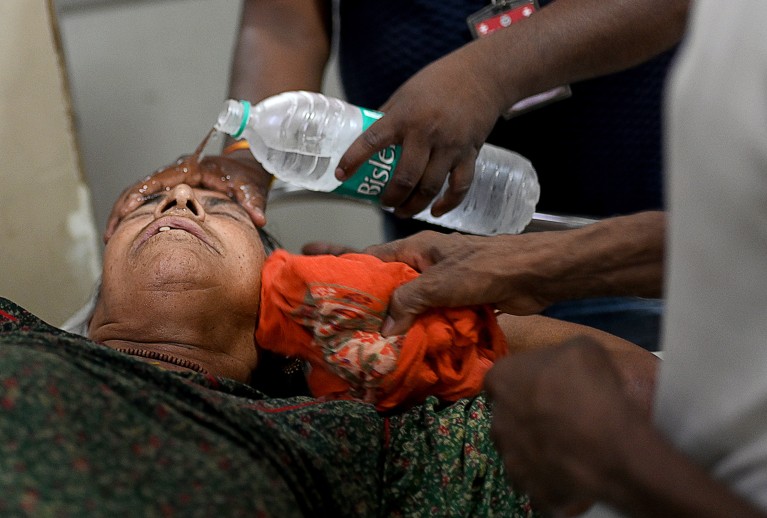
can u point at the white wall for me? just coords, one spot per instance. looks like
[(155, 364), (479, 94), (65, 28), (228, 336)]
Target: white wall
[(49, 257), (148, 79)]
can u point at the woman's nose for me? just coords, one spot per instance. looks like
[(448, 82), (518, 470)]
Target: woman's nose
[(181, 200)]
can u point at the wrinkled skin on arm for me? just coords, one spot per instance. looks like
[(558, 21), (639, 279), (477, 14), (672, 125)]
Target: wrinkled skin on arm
[(523, 274)]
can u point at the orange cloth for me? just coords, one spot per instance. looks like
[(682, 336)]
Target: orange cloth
[(329, 310)]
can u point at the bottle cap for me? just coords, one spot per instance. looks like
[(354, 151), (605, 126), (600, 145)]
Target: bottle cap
[(244, 122), (234, 118)]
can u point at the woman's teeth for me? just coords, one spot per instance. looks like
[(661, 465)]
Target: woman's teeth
[(164, 229)]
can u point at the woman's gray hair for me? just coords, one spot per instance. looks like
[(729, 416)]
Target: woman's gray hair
[(79, 322)]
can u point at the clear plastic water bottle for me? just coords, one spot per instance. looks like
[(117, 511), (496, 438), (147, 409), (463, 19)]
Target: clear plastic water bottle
[(299, 137)]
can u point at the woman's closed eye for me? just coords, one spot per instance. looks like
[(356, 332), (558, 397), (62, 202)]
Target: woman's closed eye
[(213, 205), (225, 207), (225, 213), (146, 207)]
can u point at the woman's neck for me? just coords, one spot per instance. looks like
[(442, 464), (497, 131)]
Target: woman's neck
[(177, 357), (206, 338)]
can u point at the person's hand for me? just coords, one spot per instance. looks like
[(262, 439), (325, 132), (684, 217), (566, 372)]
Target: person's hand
[(441, 116), (239, 177), (525, 273), (459, 270), (562, 420)]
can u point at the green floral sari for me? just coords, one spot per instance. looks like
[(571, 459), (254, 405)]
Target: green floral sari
[(85, 430)]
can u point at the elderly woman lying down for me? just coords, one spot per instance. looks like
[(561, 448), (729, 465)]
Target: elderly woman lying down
[(156, 413)]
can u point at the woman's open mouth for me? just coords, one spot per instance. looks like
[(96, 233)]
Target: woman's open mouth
[(169, 223)]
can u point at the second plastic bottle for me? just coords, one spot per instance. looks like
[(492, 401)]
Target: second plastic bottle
[(299, 137)]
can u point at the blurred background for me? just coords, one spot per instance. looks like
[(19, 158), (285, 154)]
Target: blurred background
[(133, 84)]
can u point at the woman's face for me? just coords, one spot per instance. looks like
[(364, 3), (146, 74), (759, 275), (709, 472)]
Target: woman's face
[(185, 239)]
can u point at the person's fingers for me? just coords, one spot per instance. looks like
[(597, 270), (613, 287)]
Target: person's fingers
[(241, 179), (419, 251), (254, 205), (378, 136), (386, 107), (326, 248), (126, 203), (133, 196), (110, 230), (114, 217), (458, 185), (410, 300), (250, 194), (428, 187), (397, 326), (407, 175), (184, 170), (385, 251)]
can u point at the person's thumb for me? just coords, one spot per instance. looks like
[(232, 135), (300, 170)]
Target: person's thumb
[(370, 142), (407, 302)]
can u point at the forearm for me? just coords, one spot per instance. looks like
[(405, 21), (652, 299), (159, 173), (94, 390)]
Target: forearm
[(569, 433), (636, 366), (281, 46), (658, 480), (621, 256), (572, 40)]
